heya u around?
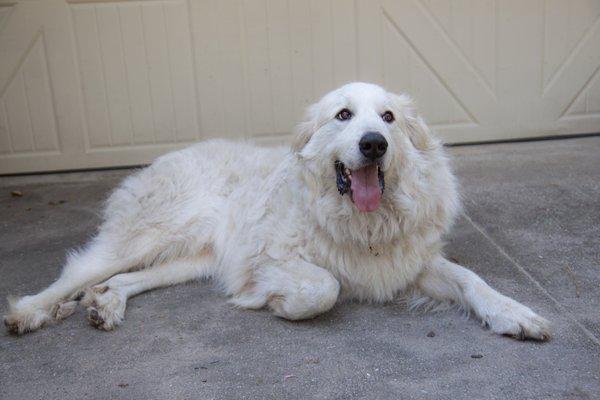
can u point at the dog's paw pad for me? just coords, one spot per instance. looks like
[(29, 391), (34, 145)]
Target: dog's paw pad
[(64, 310), (12, 326), (95, 319), (100, 289), (24, 317), (106, 307)]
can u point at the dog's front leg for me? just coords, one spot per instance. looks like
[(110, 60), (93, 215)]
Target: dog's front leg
[(292, 289), (445, 281)]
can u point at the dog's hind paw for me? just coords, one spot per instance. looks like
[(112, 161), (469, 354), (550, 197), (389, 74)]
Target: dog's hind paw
[(24, 317), (106, 307)]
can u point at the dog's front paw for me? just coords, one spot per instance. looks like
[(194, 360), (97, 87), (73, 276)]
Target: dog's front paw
[(517, 321)]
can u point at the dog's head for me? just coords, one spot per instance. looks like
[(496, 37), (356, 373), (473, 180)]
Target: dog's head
[(357, 137)]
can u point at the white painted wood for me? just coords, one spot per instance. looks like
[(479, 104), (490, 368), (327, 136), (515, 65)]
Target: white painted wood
[(134, 54), (207, 50), (301, 42), (280, 64), (39, 99), (5, 142), (88, 84), (232, 62), (157, 54), (112, 63), (92, 74), (181, 69)]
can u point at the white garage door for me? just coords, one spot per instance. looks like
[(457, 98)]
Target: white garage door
[(104, 83)]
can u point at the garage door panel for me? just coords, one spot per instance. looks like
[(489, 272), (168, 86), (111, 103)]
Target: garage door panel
[(159, 73), (113, 73), (137, 72), (322, 50), (470, 25), (427, 38), (112, 82), (369, 41), (181, 67), (5, 142), (438, 104), (18, 116), (99, 130), (255, 33), (587, 101), (40, 120), (280, 61), (134, 55), (345, 31), (520, 26), (576, 74), (16, 39), (40, 105), (29, 123), (566, 24), (301, 55), (206, 47), (5, 11), (587, 123), (231, 69)]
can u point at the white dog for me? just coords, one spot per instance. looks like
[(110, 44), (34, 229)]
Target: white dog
[(356, 210)]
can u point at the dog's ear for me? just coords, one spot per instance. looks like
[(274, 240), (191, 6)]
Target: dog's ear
[(416, 129), (302, 134), (305, 129), (420, 135)]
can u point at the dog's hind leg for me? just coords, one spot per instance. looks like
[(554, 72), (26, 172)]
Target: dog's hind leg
[(106, 302), (293, 290), (99, 260)]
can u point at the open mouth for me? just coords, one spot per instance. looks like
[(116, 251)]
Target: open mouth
[(365, 185)]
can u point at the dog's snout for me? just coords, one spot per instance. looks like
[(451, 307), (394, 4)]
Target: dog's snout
[(373, 145)]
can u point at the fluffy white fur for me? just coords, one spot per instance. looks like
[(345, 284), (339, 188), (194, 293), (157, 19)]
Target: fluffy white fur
[(269, 226)]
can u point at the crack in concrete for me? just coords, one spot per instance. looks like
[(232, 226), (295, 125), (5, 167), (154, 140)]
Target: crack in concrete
[(538, 285)]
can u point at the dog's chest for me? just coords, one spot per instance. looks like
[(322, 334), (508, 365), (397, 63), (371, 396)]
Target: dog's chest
[(372, 273)]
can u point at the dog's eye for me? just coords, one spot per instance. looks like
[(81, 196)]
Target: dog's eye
[(344, 115), (388, 117)]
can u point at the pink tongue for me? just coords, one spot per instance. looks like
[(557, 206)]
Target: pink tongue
[(365, 188)]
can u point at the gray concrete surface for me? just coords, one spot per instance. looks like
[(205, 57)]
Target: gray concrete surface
[(532, 231)]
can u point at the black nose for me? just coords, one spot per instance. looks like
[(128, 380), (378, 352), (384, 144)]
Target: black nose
[(373, 145)]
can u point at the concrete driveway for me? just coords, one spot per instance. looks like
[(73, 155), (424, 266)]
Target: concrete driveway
[(531, 229)]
